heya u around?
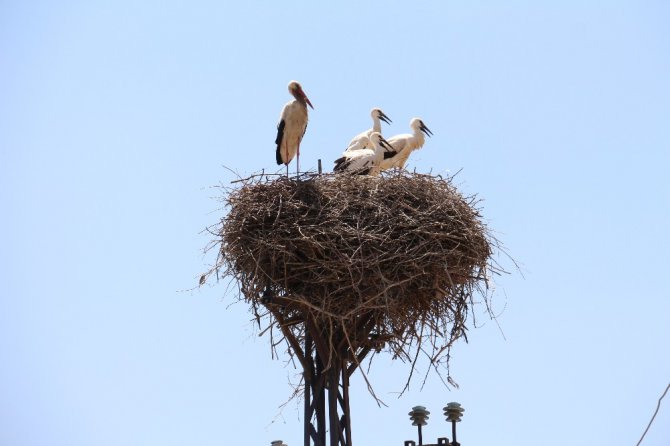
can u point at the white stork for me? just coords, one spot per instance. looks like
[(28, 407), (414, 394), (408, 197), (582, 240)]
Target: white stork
[(364, 161), (404, 144), (292, 126), (362, 140)]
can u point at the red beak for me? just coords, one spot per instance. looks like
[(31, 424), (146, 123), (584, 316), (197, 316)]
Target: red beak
[(306, 99)]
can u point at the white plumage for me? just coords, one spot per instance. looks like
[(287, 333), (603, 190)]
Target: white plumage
[(405, 144), (292, 126), (364, 161), (362, 140)]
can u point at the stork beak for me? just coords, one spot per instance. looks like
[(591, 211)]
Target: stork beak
[(426, 130), (385, 118), (306, 99), (385, 144)]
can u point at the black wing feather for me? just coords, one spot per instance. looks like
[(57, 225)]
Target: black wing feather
[(280, 136), (341, 164)]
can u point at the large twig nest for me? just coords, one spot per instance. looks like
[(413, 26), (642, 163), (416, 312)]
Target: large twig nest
[(405, 251)]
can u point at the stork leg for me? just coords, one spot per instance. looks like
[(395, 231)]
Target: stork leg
[(297, 162), (286, 163)]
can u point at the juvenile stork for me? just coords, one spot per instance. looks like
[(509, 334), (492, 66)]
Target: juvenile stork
[(362, 140), (405, 144), (364, 161), (291, 127)]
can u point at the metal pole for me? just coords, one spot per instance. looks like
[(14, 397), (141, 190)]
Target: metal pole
[(308, 376), (346, 408), (321, 404)]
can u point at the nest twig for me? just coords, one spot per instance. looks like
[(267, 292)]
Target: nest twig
[(372, 263)]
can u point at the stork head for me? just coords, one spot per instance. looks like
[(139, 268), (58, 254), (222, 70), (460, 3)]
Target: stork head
[(295, 89), (378, 141), (417, 125), (377, 113)]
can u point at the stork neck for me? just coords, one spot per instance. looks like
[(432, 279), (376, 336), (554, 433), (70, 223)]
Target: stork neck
[(301, 100), (420, 137), (379, 152), (376, 125)]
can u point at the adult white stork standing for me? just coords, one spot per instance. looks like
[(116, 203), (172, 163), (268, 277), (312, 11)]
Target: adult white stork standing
[(364, 161), (362, 140), (291, 127), (405, 144)]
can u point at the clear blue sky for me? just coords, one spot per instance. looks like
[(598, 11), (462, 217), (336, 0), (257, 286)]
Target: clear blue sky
[(116, 118)]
